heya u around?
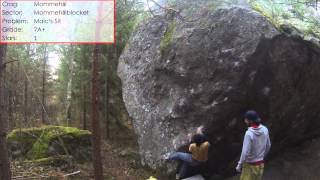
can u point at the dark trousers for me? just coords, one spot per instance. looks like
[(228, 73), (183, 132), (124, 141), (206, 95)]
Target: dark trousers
[(188, 166)]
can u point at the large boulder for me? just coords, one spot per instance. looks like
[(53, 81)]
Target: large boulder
[(179, 73)]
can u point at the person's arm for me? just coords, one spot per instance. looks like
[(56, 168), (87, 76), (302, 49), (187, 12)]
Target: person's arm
[(191, 148), (245, 149), (268, 146), (190, 138)]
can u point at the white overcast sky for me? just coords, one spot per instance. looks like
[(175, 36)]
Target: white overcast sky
[(54, 58)]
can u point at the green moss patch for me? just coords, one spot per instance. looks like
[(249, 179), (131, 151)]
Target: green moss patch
[(47, 141), (57, 161), (284, 12), (167, 39)]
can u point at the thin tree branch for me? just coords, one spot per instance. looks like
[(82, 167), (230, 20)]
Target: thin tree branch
[(3, 65), (150, 8), (8, 62), (165, 8), (71, 174)]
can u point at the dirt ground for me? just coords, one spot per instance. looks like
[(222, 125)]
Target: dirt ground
[(121, 162)]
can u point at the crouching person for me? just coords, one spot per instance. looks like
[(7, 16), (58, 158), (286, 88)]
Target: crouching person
[(198, 154), (256, 145)]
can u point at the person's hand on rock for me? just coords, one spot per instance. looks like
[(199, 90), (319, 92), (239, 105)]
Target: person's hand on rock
[(189, 136)]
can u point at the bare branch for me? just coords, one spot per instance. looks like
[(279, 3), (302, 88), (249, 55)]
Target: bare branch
[(165, 8), (71, 174), (150, 8), (8, 62), (3, 65)]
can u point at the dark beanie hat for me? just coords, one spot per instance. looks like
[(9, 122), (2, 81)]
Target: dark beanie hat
[(252, 116)]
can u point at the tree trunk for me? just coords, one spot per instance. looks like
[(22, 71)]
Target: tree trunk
[(110, 58), (25, 108), (84, 111), (26, 84), (45, 57), (5, 172), (5, 95), (69, 86), (10, 97), (107, 91), (106, 105), (16, 102), (98, 171)]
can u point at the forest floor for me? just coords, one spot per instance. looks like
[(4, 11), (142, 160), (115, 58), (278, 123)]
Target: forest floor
[(122, 162), (120, 159)]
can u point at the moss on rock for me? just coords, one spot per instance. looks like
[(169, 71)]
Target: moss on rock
[(57, 161), (47, 141), (167, 38), (300, 18)]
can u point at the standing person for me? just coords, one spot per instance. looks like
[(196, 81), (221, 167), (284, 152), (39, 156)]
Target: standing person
[(198, 154), (256, 145)]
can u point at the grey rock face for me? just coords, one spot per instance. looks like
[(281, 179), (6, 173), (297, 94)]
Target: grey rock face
[(180, 74)]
